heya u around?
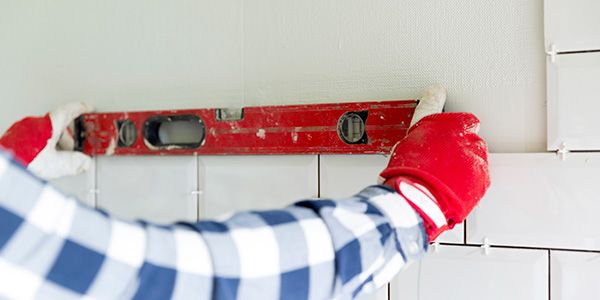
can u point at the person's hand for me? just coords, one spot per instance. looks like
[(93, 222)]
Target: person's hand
[(441, 166), (45, 146)]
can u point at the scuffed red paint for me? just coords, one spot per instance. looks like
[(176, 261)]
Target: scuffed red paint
[(314, 129)]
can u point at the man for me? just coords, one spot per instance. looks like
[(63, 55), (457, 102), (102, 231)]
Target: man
[(52, 247)]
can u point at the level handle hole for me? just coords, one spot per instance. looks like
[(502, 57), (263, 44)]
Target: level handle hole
[(174, 132), (352, 127)]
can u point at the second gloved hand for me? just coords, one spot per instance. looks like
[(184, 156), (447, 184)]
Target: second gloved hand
[(441, 166)]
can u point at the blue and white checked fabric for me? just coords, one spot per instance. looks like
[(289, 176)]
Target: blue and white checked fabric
[(52, 247)]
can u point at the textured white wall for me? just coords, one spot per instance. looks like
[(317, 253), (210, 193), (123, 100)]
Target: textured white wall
[(150, 54), (154, 54)]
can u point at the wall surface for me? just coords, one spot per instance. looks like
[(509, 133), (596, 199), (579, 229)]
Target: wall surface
[(141, 55), (138, 55)]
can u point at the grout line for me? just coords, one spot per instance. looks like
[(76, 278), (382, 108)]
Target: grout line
[(243, 54), (460, 245), (465, 232), (578, 51), (318, 175), (196, 161), (389, 286), (201, 171), (522, 247), (540, 248), (95, 180), (549, 276)]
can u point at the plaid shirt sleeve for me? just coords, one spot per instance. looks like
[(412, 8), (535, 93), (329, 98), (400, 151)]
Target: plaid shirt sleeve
[(51, 247)]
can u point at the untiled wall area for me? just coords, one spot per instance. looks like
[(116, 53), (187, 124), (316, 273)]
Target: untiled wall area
[(534, 235), (132, 55)]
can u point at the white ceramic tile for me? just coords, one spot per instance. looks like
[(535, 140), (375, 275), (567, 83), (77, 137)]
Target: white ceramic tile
[(574, 275), (234, 183), (153, 188), (538, 200), (462, 272), (572, 25), (382, 294), (80, 186), (572, 105), (346, 175)]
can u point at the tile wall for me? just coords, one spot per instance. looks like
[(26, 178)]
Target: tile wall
[(539, 218)]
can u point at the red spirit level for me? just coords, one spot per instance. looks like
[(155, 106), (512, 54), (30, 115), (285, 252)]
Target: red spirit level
[(345, 128)]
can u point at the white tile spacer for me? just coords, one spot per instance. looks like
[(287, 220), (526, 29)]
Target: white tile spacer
[(552, 53), (94, 191), (562, 152), (197, 192), (436, 246), (486, 246)]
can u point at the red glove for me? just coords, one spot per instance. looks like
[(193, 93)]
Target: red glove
[(43, 144), (441, 168)]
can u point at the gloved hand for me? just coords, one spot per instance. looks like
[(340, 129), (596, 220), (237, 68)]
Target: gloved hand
[(441, 166), (45, 146)]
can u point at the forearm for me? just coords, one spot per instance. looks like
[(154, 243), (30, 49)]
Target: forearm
[(316, 249)]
